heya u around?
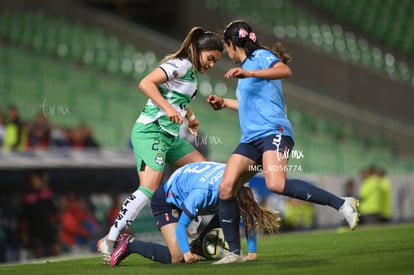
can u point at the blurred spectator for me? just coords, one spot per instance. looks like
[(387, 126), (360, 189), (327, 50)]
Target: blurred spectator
[(39, 218), (2, 128), (39, 133), (350, 188), (76, 138), (24, 136), (81, 137), (370, 196), (386, 195), (297, 215), (88, 140), (10, 206), (15, 135), (79, 227), (68, 132), (13, 129), (58, 138)]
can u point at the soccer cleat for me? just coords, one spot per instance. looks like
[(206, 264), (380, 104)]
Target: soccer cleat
[(231, 258), (120, 251), (349, 212), (105, 247)]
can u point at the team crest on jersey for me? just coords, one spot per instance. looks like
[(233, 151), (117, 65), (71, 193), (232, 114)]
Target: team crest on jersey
[(175, 213), (175, 73), (159, 160)]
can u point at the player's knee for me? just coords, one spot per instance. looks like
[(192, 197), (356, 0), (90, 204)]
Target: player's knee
[(276, 185), (225, 191)]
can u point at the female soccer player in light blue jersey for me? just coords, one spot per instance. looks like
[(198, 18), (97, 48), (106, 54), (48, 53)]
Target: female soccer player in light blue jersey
[(266, 133), (192, 191)]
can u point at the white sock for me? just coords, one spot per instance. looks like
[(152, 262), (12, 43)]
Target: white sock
[(129, 211)]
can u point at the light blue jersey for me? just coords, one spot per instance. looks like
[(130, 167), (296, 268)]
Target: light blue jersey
[(194, 188), (261, 103)]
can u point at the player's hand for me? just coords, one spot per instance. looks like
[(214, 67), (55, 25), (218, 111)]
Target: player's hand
[(190, 258), (216, 102), (193, 126), (237, 73), (251, 256), (174, 116)]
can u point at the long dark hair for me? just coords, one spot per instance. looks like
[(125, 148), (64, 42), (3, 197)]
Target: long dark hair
[(241, 35), (196, 41)]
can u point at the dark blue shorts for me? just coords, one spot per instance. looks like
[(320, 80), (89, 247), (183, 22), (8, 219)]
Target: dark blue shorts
[(163, 212), (254, 150)]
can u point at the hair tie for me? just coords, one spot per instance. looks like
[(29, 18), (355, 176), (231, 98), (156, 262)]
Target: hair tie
[(252, 37), (243, 34)]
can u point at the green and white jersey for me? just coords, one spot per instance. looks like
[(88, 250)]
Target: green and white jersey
[(179, 89)]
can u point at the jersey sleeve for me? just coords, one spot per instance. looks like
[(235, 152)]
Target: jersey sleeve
[(251, 242), (174, 68), (181, 232), (267, 59)]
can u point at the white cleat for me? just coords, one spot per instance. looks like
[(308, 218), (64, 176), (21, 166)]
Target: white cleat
[(349, 212), (105, 247), (231, 258)]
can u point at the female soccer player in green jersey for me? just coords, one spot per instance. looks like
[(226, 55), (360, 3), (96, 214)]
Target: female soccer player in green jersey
[(170, 89)]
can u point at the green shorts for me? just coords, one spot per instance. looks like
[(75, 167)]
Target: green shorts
[(154, 147)]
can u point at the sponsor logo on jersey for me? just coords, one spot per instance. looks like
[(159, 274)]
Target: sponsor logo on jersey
[(175, 73)]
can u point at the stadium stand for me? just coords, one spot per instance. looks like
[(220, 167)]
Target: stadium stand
[(298, 22), (94, 74), (385, 21), (77, 71)]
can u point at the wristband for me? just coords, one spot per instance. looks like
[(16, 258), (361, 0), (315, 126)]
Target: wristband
[(191, 118)]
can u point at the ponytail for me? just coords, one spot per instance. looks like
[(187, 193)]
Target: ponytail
[(196, 41), (281, 53)]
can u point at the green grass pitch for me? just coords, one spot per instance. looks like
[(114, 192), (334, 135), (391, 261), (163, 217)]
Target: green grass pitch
[(368, 250)]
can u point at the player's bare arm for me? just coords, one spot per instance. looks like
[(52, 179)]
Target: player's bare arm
[(193, 124), (278, 71), (148, 85), (218, 103)]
